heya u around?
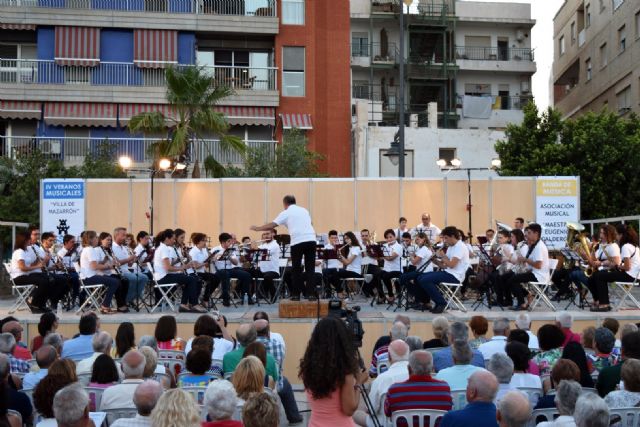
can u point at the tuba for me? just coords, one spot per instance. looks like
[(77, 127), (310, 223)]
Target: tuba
[(577, 242)]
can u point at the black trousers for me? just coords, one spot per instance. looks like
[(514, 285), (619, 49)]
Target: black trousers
[(599, 283), (43, 287), (268, 288), (308, 251), (501, 287), (211, 282), (515, 284), (343, 274), (385, 277), (374, 270), (121, 292)]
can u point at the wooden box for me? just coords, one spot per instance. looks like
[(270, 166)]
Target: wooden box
[(302, 309)]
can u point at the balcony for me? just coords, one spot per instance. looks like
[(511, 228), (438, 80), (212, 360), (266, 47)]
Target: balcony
[(517, 60), (43, 80), (382, 101), (73, 151), (374, 55), (239, 16), (504, 110), (420, 68)]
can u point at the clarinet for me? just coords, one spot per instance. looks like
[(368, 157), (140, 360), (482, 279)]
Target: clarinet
[(116, 267)]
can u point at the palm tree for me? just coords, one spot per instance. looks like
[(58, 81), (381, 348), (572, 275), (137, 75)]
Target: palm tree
[(192, 95)]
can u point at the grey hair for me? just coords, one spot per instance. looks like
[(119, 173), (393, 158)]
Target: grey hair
[(247, 334), (220, 399), (7, 343), (414, 343), (399, 331), (591, 411), (567, 393), (515, 409), (459, 332), (461, 352), (421, 362), (627, 328), (149, 341), (70, 404), (565, 319), (101, 342), (501, 366), (500, 324), (395, 357), (523, 321), (440, 326), (604, 340), (54, 340), (4, 366)]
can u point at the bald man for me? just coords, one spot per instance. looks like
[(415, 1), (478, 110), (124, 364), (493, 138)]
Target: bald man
[(247, 334), (121, 395), (20, 351), (480, 410), (514, 410), (45, 356), (145, 398)]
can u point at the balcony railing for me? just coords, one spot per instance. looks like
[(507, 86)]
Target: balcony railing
[(494, 53), (28, 71), (72, 151), (503, 102), (387, 95), (266, 8), (378, 52)]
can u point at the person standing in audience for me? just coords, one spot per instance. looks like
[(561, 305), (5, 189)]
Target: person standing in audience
[(458, 374), (591, 411), (121, 395), (442, 359), (71, 407), (480, 410), (145, 398), (331, 373), (81, 346), (609, 378), (498, 342), (479, 326), (523, 321), (567, 394), (220, 401), (176, 408), (513, 410)]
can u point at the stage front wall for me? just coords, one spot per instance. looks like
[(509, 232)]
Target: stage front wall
[(233, 205)]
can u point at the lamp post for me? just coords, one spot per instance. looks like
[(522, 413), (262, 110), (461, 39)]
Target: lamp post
[(456, 164)]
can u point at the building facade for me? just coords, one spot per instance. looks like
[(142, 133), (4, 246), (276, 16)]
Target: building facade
[(596, 52), (73, 72)]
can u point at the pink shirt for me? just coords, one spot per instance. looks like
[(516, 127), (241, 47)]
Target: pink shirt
[(570, 336), (327, 412)]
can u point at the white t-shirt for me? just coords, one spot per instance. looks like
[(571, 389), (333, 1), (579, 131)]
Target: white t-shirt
[(367, 260), (332, 263), (432, 231), (121, 253), (226, 264), (140, 258), (88, 255), (425, 255), (396, 263), (612, 249), (506, 251), (274, 257), (28, 256), (460, 251), (298, 222), (220, 348), (162, 252), (540, 253), (200, 256), (631, 252), (68, 260), (356, 264)]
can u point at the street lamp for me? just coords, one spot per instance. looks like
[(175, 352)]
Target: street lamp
[(393, 153), (456, 165)]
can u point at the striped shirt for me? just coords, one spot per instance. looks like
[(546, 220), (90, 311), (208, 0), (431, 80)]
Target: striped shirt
[(418, 392), (380, 357)]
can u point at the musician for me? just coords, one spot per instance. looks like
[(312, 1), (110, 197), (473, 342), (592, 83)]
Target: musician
[(432, 231), (144, 252), (200, 257), (59, 286), (68, 255), (489, 234), (536, 262), (269, 270), (332, 265), (117, 271), (454, 264), (518, 224), (126, 258), (408, 249), (402, 228), (168, 270), (369, 265), (226, 263), (608, 258), (501, 258), (95, 269), (351, 259), (392, 267), (420, 260), (26, 269), (520, 248)]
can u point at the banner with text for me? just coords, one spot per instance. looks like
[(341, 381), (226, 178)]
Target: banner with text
[(557, 203), (62, 206)]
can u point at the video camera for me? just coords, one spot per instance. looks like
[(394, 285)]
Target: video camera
[(350, 317)]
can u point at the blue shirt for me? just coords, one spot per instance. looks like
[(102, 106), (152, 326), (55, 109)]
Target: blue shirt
[(442, 359), (31, 380), (78, 348), (476, 414)]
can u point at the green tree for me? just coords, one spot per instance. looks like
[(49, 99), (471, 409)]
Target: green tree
[(192, 94), (602, 148)]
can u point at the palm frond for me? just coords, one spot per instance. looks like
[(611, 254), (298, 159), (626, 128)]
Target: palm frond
[(154, 122), (232, 143)]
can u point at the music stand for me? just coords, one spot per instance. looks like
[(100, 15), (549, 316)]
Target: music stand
[(573, 257), (375, 251)]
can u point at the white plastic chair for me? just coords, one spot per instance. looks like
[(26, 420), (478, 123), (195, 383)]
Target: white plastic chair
[(628, 416), (164, 289), (533, 393), (95, 397), (539, 289), (459, 398), (117, 413), (172, 359), (540, 415), (416, 417), (451, 293), (23, 292), (84, 379), (622, 292)]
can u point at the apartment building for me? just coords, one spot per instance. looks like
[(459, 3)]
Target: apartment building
[(596, 56), (73, 72)]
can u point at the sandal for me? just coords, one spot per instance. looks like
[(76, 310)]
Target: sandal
[(106, 310), (198, 309)]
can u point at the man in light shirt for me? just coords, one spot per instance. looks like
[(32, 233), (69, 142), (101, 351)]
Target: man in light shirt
[(126, 258), (145, 398), (121, 395), (426, 227), (45, 356), (498, 342)]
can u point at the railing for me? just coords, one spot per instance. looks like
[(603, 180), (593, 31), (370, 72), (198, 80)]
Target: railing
[(633, 219), (503, 102), (385, 94), (377, 51), (266, 8), (494, 53), (74, 150), (28, 71)]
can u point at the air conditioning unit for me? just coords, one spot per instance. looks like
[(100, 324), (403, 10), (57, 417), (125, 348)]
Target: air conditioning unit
[(520, 35), (525, 87), (48, 146)]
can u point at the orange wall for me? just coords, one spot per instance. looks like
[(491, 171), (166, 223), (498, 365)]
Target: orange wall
[(326, 38)]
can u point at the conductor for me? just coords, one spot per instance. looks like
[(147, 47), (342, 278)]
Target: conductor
[(303, 244)]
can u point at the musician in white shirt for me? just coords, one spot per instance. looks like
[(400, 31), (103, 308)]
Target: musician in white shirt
[(269, 270), (501, 259), (126, 258), (351, 259), (536, 261), (432, 231), (68, 255), (26, 269), (392, 268), (371, 264), (454, 265), (226, 262), (201, 259), (421, 261), (58, 284), (402, 228), (144, 252), (332, 265)]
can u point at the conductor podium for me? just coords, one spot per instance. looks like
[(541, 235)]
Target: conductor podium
[(302, 309)]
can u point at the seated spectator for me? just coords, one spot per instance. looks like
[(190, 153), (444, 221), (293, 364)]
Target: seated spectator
[(257, 349), (550, 338), (522, 337), (278, 337), (381, 355), (480, 410), (205, 342), (16, 400), (273, 347), (151, 342), (246, 334), (175, 408), (514, 410), (166, 333), (501, 366), (609, 378), (45, 356), (55, 340), (7, 419), (71, 407), (81, 347), (574, 351), (458, 375), (588, 340), (567, 393), (440, 327), (248, 379), (384, 339), (565, 369), (20, 351), (410, 394), (591, 411), (523, 323), (261, 410), (564, 320), (603, 357), (630, 396), (43, 397), (614, 326), (627, 328), (7, 347), (498, 342), (479, 326), (104, 373), (121, 395), (442, 359), (145, 398), (48, 324), (414, 342), (207, 325), (220, 400), (65, 368), (397, 372), (125, 339), (520, 354), (198, 364), (101, 344), (153, 371)]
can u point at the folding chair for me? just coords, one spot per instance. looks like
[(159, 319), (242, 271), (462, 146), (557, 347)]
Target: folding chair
[(165, 290), (622, 291), (417, 417), (539, 289), (95, 397), (451, 293), (84, 379), (172, 359), (23, 291), (353, 286), (93, 293)]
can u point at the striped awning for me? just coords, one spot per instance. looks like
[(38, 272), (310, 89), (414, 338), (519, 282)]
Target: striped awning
[(252, 116), (78, 46), (297, 121), (7, 26), (20, 109), (126, 111), (80, 114), (155, 48)]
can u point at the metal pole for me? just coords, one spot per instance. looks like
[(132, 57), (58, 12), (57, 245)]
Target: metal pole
[(469, 196), (153, 174), (401, 114)]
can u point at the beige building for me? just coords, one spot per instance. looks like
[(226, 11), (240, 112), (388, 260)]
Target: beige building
[(596, 56)]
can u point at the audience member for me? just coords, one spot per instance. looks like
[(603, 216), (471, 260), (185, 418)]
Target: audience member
[(501, 366), (278, 337), (65, 368), (567, 393), (630, 395), (386, 339), (43, 396), (442, 359), (220, 401), (81, 347), (380, 357), (609, 378), (550, 338), (125, 339), (273, 347), (414, 342), (260, 410), (45, 356), (257, 349), (440, 327), (458, 375), (614, 326), (198, 364), (104, 372), (48, 324), (121, 395), (7, 346), (55, 340), (520, 354), (209, 326), (518, 335), (564, 320), (480, 410), (246, 334), (145, 398), (20, 351), (8, 419), (514, 410), (16, 401), (498, 342), (574, 351), (565, 369), (71, 407), (176, 408), (479, 326), (523, 322), (152, 343), (591, 411), (101, 343), (588, 339), (166, 333), (248, 377), (603, 357)]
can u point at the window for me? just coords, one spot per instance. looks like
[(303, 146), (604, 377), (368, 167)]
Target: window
[(587, 16), (603, 55), (293, 71), (617, 4), (601, 3), (637, 25), (588, 67), (624, 100), (561, 45), (293, 12), (16, 65), (622, 38), (573, 32), (360, 44), (447, 154)]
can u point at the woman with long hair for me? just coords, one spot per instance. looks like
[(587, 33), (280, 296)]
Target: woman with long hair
[(330, 373), (125, 339), (166, 333), (574, 352), (607, 259), (48, 323), (104, 373), (176, 408), (351, 259)]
